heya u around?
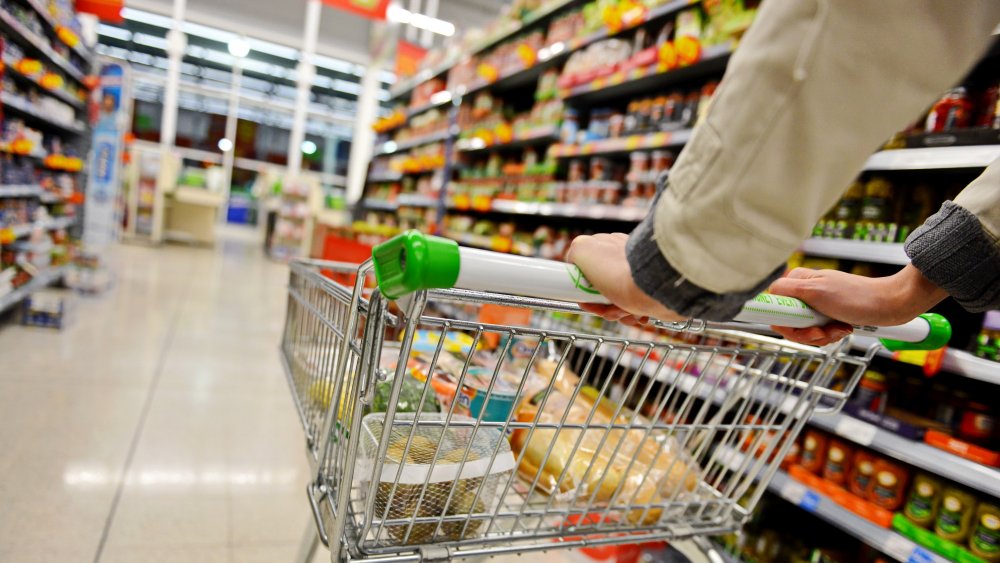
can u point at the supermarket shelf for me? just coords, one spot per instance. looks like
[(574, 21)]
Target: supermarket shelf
[(589, 211), (654, 14), (934, 158), (60, 95), (443, 99), (515, 79), (386, 177), (537, 17), (963, 363), (878, 252), (541, 136), (623, 84), (486, 242), (416, 200), (18, 190), (924, 456), (725, 555), (624, 145), (391, 147), (958, 362), (887, 541), (402, 89), (60, 223), (46, 17), (40, 44), (42, 280), (24, 106), (380, 205)]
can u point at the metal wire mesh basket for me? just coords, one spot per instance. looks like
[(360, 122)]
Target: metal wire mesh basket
[(468, 423)]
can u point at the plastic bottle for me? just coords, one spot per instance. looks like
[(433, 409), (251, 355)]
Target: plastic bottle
[(954, 518), (925, 498), (984, 542)]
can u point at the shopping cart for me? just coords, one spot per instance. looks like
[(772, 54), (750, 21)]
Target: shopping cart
[(464, 406)]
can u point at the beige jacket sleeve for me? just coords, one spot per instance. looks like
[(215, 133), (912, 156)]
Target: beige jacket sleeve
[(814, 89)]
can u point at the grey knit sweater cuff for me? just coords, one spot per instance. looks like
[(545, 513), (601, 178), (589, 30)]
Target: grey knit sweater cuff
[(661, 281), (955, 252)]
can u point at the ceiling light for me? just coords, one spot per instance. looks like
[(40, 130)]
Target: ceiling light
[(225, 145), (238, 47), (400, 15), (309, 147)]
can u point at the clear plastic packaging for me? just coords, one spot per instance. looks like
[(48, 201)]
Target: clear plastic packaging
[(448, 475)]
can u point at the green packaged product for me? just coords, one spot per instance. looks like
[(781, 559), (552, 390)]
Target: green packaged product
[(954, 518), (985, 539), (924, 500)]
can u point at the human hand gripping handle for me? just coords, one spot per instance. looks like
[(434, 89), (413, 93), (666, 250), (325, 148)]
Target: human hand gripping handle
[(412, 261)]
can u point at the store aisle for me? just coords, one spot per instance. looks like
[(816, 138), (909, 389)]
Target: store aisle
[(157, 426)]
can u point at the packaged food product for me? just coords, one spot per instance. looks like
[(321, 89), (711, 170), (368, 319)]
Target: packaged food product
[(472, 400), (984, 541), (977, 424), (814, 448), (954, 518), (953, 111), (872, 393), (925, 497), (861, 473), (438, 472), (838, 462), (889, 484), (632, 467)]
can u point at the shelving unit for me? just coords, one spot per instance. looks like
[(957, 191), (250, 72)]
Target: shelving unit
[(42, 280), (39, 45), (877, 252), (59, 114), (918, 454), (624, 145), (934, 158), (598, 211)]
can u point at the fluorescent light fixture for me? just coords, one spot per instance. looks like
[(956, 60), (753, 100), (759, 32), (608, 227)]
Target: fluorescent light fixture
[(389, 147), (397, 14), (114, 32), (238, 47), (442, 97), (225, 145), (309, 147)]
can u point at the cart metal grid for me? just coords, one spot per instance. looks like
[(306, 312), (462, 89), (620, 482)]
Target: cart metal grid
[(622, 442)]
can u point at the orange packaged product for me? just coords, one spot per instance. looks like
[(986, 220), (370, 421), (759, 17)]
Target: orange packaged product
[(838, 462), (888, 488), (813, 453), (792, 457), (861, 473)]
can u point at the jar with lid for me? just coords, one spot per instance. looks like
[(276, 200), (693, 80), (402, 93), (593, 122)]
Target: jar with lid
[(576, 171), (977, 424)]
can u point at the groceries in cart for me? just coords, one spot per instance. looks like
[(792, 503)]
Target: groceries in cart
[(438, 478), (598, 465)]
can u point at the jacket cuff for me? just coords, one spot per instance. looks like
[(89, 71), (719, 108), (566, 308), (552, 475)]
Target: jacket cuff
[(955, 252), (657, 278)]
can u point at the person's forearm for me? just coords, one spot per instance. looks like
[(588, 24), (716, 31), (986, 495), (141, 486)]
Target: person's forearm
[(814, 88), (909, 294)]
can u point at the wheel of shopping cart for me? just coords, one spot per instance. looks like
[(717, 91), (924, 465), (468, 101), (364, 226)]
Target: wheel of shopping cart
[(458, 403)]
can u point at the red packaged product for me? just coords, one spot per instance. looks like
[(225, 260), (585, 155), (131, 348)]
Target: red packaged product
[(953, 111), (888, 488), (838, 462), (861, 473)]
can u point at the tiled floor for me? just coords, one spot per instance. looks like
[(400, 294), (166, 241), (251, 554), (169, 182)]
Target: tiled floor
[(157, 426)]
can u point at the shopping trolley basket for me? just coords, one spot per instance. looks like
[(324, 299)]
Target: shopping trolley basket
[(467, 407)]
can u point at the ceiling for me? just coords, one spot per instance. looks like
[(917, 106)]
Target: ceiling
[(342, 35)]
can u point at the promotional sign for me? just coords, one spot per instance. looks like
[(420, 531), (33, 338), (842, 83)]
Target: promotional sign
[(100, 225), (374, 9), (106, 10), (408, 57)]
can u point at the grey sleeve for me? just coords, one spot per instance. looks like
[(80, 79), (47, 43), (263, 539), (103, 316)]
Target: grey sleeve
[(953, 250), (657, 278)]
